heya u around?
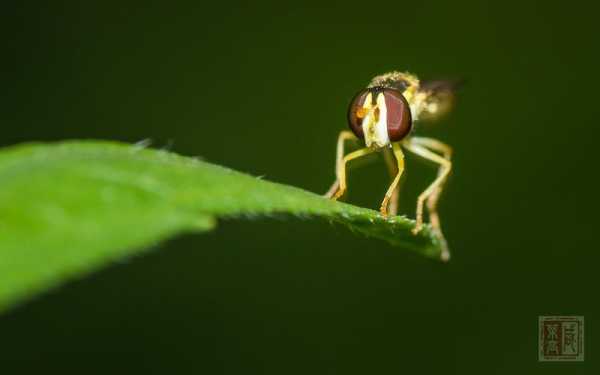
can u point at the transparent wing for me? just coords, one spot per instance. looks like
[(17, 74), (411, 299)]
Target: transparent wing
[(440, 97)]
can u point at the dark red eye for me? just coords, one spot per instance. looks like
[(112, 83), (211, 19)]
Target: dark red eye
[(356, 113), (399, 119)]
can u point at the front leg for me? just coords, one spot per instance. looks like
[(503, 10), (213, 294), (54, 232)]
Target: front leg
[(341, 172), (392, 165), (399, 156), (344, 136)]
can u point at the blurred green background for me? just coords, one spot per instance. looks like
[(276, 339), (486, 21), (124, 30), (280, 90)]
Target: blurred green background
[(263, 88)]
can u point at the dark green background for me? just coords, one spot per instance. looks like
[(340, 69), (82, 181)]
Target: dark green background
[(263, 88)]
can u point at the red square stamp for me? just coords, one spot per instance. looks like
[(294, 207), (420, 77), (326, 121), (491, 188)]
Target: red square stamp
[(560, 338)]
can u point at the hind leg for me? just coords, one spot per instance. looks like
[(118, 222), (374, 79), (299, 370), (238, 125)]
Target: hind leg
[(431, 194)]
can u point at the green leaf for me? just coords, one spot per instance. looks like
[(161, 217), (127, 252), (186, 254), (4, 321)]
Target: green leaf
[(67, 209)]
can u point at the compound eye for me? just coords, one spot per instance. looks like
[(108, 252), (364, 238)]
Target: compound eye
[(399, 119), (357, 111)]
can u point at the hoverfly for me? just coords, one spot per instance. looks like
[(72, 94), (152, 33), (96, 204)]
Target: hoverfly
[(383, 116)]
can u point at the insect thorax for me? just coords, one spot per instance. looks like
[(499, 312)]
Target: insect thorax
[(403, 82)]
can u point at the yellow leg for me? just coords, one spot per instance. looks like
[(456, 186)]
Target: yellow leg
[(344, 136), (342, 170), (390, 161), (390, 192), (434, 145), (431, 194), (432, 201)]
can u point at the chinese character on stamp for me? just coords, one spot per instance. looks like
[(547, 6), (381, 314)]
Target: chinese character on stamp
[(560, 338)]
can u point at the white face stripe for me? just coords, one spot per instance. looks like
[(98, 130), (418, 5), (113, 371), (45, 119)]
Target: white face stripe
[(382, 138), (375, 129)]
